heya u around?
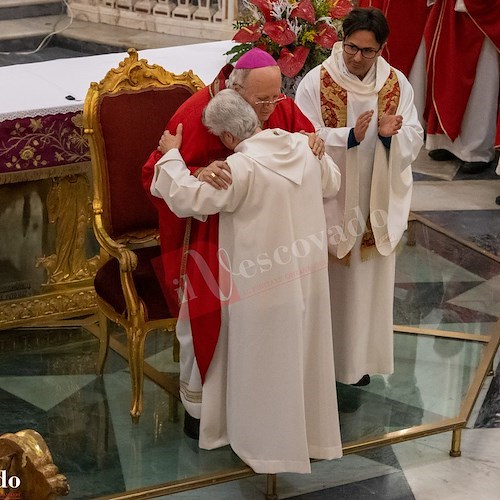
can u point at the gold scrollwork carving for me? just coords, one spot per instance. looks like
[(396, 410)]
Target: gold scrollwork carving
[(131, 75), (62, 303)]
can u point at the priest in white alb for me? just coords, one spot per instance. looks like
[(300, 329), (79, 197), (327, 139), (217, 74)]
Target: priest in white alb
[(363, 109), (270, 389)]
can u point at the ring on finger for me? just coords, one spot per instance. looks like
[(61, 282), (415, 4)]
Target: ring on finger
[(213, 175)]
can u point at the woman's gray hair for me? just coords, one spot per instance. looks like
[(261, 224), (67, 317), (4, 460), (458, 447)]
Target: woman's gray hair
[(227, 111), (237, 77)]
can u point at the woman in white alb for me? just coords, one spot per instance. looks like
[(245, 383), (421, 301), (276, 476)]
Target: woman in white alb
[(270, 389)]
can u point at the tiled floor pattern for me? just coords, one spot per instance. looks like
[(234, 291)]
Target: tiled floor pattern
[(47, 380)]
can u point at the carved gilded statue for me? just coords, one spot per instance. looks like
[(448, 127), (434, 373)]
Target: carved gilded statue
[(69, 207)]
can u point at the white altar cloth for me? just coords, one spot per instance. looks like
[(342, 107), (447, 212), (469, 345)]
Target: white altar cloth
[(39, 89)]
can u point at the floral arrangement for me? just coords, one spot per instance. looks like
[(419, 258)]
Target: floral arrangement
[(299, 34)]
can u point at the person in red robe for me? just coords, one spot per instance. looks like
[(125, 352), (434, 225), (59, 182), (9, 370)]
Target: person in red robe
[(190, 247), (406, 19), (462, 43)]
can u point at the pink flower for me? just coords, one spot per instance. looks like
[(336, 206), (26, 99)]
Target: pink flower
[(265, 7), (279, 32), (340, 9), (326, 36), (248, 33), (305, 10), (291, 63)]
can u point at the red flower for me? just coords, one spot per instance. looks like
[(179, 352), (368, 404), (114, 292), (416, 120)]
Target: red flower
[(326, 36), (279, 32), (291, 63), (265, 7), (304, 10), (248, 33), (340, 9)]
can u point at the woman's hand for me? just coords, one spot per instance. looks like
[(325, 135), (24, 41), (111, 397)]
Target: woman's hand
[(217, 174)]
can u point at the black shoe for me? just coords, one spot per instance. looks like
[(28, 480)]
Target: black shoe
[(348, 398), (473, 167), (364, 380), (442, 155), (191, 426), (497, 200)]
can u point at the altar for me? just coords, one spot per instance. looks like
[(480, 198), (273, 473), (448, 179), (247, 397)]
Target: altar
[(47, 252)]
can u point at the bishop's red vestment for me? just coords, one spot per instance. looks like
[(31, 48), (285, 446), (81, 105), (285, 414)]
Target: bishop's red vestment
[(201, 266)]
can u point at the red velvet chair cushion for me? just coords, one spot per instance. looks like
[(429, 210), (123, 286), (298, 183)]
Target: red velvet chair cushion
[(132, 124), (108, 286)]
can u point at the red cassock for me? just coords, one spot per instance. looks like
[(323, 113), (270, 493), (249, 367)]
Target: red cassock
[(199, 149), (453, 44), (406, 19)]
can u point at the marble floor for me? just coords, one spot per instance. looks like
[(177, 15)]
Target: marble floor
[(448, 280), (448, 291)]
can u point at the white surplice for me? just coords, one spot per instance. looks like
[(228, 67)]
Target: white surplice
[(375, 181), (270, 389)]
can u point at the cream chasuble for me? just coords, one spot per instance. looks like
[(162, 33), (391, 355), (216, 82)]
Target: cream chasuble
[(270, 389), (376, 187)]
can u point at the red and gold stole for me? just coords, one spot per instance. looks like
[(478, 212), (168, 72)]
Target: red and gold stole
[(333, 100)]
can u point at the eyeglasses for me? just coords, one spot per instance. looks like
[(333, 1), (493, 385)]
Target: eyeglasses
[(367, 53), (271, 103)]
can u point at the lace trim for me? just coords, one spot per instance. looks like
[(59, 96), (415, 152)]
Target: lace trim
[(30, 113)]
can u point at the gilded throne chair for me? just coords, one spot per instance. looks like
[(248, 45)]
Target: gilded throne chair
[(124, 116)]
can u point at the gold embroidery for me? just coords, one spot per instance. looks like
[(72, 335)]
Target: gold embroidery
[(368, 249), (368, 239), (389, 94), (189, 395), (333, 101), (43, 142)]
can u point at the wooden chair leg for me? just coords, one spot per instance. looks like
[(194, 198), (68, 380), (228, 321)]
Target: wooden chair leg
[(103, 342), (173, 408), (136, 338), (176, 348), (272, 492), (411, 239)]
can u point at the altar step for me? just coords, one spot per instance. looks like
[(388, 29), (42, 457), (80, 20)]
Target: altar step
[(78, 38), (84, 31), (24, 24), (20, 9)]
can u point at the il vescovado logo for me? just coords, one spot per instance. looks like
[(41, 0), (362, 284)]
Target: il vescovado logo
[(8, 485)]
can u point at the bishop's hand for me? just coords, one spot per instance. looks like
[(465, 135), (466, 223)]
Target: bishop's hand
[(169, 141), (316, 144)]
